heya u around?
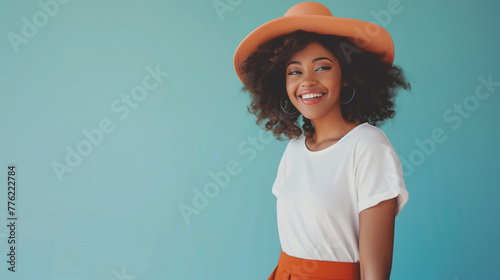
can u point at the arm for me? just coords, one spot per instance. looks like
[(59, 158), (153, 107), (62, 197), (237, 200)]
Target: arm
[(376, 240)]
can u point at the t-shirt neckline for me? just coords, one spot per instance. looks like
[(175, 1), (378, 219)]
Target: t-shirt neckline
[(333, 145)]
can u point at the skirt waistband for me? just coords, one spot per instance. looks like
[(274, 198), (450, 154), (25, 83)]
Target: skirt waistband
[(318, 269)]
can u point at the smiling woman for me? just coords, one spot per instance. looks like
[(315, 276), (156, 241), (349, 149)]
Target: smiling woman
[(366, 80), (314, 75), (339, 184)]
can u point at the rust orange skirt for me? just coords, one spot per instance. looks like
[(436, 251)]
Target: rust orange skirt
[(292, 268)]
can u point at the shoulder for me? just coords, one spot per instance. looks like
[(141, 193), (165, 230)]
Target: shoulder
[(371, 139), (291, 148), (369, 134), (295, 143)]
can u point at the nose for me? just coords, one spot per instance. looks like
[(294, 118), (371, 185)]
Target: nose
[(308, 80)]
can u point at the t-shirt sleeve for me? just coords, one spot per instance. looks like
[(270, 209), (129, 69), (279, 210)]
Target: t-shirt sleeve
[(282, 171), (378, 172)]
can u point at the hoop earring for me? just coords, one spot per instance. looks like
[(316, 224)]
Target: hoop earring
[(352, 97), (281, 105)]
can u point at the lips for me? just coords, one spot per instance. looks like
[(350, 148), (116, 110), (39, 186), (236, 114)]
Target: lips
[(310, 97)]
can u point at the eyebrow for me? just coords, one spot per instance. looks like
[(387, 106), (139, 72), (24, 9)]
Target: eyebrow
[(314, 60)]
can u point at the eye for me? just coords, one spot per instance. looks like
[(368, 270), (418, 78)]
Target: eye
[(323, 68), (294, 72)]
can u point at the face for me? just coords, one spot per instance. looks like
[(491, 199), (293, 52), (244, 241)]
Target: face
[(313, 81)]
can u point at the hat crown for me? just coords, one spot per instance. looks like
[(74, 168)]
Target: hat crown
[(316, 18), (308, 9)]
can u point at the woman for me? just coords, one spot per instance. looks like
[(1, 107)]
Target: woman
[(339, 184)]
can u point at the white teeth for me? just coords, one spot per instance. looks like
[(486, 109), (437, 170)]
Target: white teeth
[(312, 95)]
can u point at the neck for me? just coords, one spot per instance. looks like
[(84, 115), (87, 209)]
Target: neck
[(331, 127)]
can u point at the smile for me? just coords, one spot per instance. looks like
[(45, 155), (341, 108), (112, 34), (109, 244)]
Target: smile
[(311, 98), (312, 95)]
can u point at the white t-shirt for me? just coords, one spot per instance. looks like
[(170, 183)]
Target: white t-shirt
[(320, 193)]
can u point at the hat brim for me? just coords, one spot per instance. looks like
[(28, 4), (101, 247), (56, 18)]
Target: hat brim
[(365, 35)]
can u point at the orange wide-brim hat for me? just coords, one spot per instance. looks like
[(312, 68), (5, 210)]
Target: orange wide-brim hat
[(315, 17)]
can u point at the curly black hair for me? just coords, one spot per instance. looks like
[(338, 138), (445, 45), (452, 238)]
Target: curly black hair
[(376, 83)]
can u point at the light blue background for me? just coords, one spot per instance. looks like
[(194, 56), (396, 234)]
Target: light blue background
[(116, 216)]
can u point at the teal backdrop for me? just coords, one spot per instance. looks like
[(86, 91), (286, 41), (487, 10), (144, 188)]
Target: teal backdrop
[(134, 157)]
